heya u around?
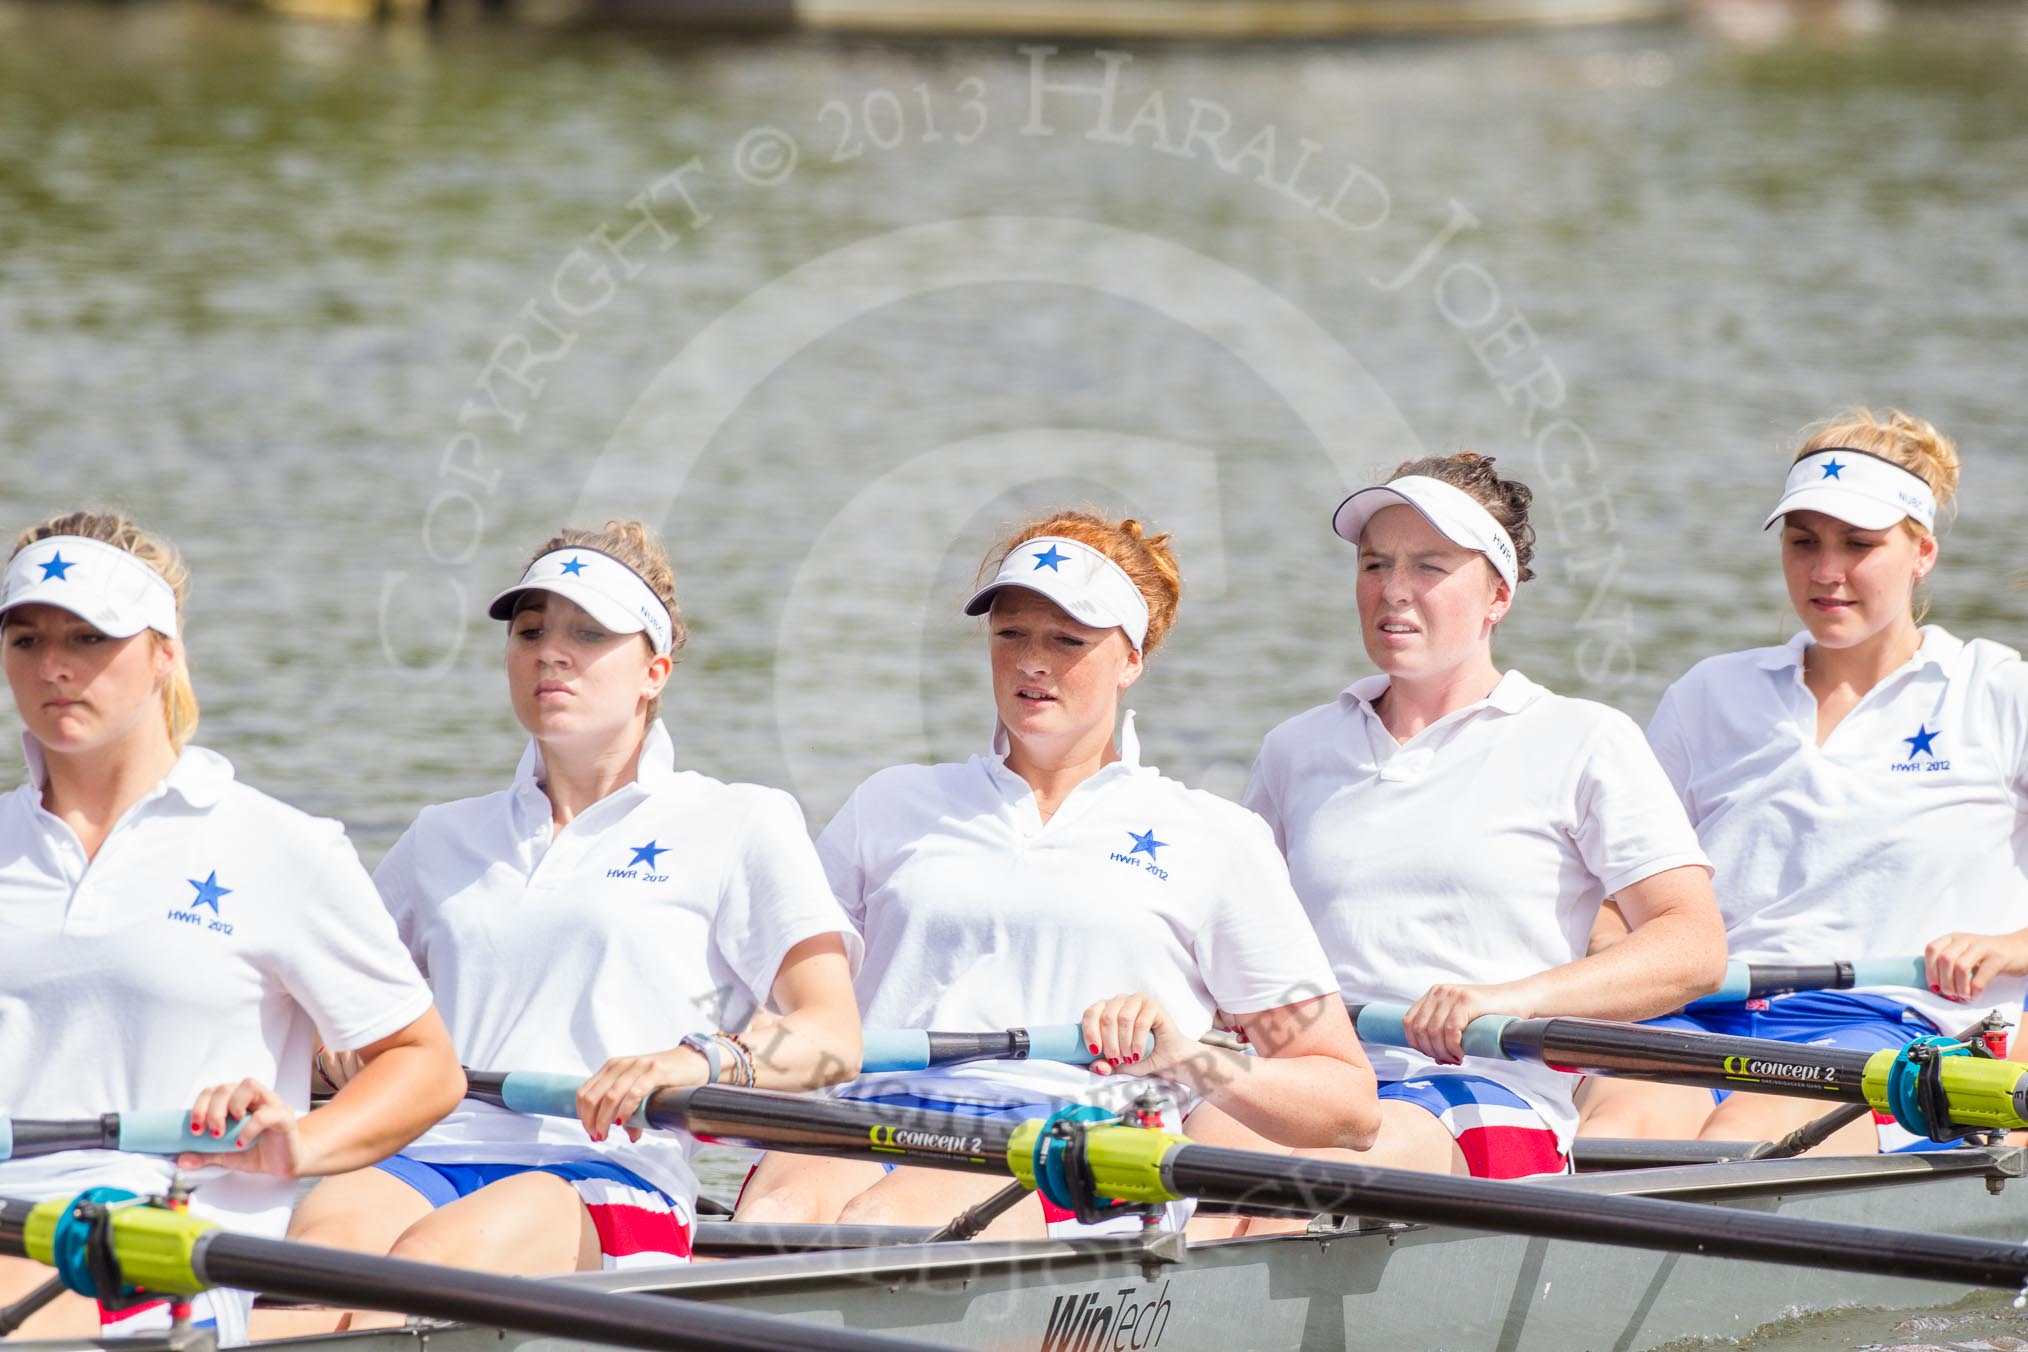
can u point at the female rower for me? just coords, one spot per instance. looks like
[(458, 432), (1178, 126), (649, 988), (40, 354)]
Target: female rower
[(1859, 788), (1452, 831), (1028, 885), (173, 936), (602, 915)]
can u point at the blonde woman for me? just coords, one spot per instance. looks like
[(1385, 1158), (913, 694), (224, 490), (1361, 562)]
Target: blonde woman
[(605, 914), (1859, 789), (172, 935)]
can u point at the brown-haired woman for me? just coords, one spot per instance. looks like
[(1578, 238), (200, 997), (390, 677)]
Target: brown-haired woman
[(1860, 789), (605, 914), (1453, 830), (174, 936), (1030, 884)]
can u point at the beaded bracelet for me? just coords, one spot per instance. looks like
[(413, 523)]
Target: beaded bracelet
[(742, 1058)]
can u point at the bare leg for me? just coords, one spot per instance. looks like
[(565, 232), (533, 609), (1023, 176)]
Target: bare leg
[(803, 1189), (1410, 1138), (1632, 1108), (1762, 1117), (528, 1225), (68, 1316), (932, 1196)]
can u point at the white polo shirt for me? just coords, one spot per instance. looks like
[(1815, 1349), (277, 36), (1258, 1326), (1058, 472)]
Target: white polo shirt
[(663, 909), (979, 916), (218, 934), (1904, 825), (1478, 851)]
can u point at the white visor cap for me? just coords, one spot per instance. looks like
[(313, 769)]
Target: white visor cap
[(610, 592), (111, 590), (1857, 487), (1090, 587), (1456, 514)]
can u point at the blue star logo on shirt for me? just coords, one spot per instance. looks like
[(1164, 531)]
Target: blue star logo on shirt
[(645, 854), (1920, 742), (57, 566), (208, 892), (573, 567), (1831, 470), (1145, 842), (1049, 558)]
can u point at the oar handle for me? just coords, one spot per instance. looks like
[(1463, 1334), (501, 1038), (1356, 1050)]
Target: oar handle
[(1749, 980), (544, 1095), (170, 1134), (1384, 1024), (889, 1050)]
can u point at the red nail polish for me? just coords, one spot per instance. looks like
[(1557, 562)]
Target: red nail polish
[(218, 1131), (1936, 990), (1112, 1060), (1135, 1057), (1094, 1046)]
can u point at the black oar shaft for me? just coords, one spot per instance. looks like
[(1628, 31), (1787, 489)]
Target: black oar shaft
[(1633, 1051), (27, 1139), (1556, 1213), (341, 1277)]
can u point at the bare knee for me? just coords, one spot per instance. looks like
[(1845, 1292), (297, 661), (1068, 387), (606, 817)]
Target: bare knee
[(427, 1243), (870, 1208), (780, 1206)]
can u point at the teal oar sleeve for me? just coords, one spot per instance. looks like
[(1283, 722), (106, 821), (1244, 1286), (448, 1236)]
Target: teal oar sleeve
[(540, 1095), (170, 1134), (1889, 972), (1737, 986), (1060, 1042), (891, 1049), (6, 1138), (1383, 1024)]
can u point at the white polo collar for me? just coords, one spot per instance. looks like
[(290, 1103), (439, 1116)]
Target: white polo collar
[(1514, 693), (199, 776), (1128, 743), (657, 764), (1940, 648)]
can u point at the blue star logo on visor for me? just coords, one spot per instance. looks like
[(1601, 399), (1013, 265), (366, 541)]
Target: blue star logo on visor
[(645, 854), (57, 566), (1049, 559), (573, 567), (1831, 470), (1145, 842), (208, 892), (1920, 742)]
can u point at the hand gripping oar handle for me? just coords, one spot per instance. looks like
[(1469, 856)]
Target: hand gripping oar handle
[(136, 1133), (533, 1092), (1749, 981), (1976, 1091), (177, 1254), (887, 1050)]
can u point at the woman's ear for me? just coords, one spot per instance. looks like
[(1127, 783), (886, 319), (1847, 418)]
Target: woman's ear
[(659, 667), (1926, 551), (1503, 600), (168, 652), (1135, 664)]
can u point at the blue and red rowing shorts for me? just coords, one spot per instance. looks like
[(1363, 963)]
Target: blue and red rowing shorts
[(1500, 1133), (638, 1224)]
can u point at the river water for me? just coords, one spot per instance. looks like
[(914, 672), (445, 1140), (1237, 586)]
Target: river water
[(359, 315)]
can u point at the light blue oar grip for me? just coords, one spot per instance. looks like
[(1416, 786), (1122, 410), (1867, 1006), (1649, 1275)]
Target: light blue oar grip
[(6, 1138), (1382, 1024), (1737, 986), (540, 1095), (1059, 1042), (170, 1134), (1890, 972), (890, 1049)]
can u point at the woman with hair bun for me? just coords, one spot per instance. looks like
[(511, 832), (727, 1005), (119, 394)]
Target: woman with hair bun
[(1453, 829), (1859, 789), (1056, 879), (173, 936), (608, 915)]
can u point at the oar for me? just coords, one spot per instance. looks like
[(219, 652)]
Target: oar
[(1912, 1084), (136, 1133), (886, 1050), (176, 1254), (1143, 1166), (1754, 980)]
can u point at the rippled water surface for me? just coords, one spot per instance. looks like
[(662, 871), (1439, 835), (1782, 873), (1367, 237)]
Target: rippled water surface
[(329, 305)]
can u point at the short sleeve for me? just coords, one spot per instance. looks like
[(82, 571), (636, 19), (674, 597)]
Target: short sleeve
[(774, 895), (838, 852), (1671, 747), (1257, 949), (1630, 824), (345, 964), (395, 880), (2005, 686), (1260, 796)]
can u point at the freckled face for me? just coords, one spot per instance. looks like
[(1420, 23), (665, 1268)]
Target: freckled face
[(1056, 682), (1426, 605)]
